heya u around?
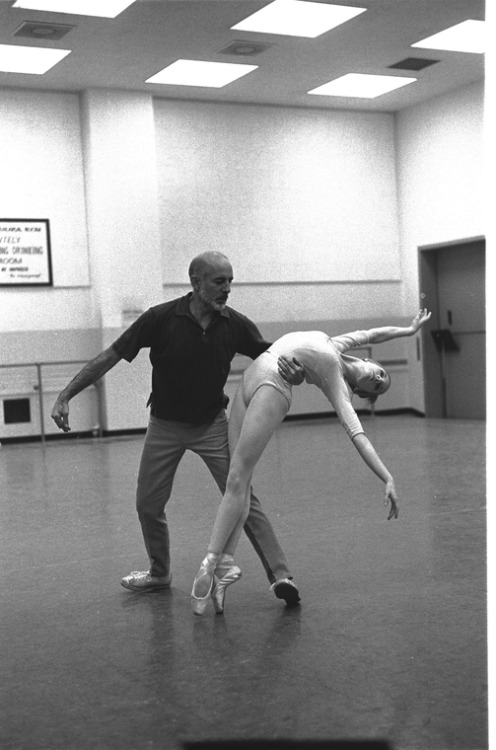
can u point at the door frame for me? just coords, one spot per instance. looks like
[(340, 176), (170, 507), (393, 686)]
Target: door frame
[(434, 386)]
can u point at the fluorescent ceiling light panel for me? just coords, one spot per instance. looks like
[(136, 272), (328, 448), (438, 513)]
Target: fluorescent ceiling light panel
[(296, 18), (201, 73), (15, 58), (468, 36), (101, 8), (362, 86)]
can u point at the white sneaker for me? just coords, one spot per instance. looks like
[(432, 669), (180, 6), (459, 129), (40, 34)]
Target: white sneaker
[(141, 580)]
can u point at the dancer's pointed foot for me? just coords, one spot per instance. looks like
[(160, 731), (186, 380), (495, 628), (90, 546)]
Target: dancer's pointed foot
[(224, 576), (203, 584)]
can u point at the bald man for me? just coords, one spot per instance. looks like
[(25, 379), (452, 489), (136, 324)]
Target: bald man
[(192, 341)]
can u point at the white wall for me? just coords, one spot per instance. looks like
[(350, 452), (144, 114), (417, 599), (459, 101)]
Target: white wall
[(42, 177), (120, 170), (440, 162), (300, 197)]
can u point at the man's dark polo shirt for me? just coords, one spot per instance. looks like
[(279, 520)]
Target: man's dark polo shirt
[(190, 365)]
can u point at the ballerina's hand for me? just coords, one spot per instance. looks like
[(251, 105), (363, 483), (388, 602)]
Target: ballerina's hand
[(390, 497), (421, 317)]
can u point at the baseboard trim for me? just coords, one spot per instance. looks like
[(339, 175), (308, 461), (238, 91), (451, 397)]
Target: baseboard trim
[(48, 438)]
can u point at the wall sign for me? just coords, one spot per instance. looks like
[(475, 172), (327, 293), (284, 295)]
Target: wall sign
[(25, 258)]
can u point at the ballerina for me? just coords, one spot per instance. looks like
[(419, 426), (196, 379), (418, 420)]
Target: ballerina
[(262, 401)]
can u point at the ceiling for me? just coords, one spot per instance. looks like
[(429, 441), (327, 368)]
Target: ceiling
[(122, 53)]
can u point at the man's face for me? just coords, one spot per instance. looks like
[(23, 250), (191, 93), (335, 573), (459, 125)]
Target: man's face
[(215, 286)]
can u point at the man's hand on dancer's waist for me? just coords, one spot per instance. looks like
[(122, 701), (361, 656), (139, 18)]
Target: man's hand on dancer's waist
[(291, 370)]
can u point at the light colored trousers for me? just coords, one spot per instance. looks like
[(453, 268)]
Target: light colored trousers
[(165, 444)]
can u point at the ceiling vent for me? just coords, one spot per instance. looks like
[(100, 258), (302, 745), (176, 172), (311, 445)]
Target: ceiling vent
[(413, 63), (245, 48), (39, 30)]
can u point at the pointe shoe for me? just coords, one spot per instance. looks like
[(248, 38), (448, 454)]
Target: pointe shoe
[(200, 603), (231, 575)]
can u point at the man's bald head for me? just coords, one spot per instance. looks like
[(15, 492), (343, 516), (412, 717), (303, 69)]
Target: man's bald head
[(205, 263)]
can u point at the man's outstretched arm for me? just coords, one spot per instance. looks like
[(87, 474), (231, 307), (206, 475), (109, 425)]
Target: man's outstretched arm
[(90, 374)]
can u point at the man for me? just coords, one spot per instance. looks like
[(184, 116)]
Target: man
[(192, 341)]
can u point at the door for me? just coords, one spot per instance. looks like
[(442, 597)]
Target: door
[(456, 373)]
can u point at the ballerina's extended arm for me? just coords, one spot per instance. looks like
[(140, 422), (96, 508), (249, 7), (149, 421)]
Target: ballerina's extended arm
[(386, 333), (373, 461)]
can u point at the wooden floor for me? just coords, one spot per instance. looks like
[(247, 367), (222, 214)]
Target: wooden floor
[(389, 642)]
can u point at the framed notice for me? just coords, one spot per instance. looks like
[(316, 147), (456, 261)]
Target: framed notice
[(25, 258)]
